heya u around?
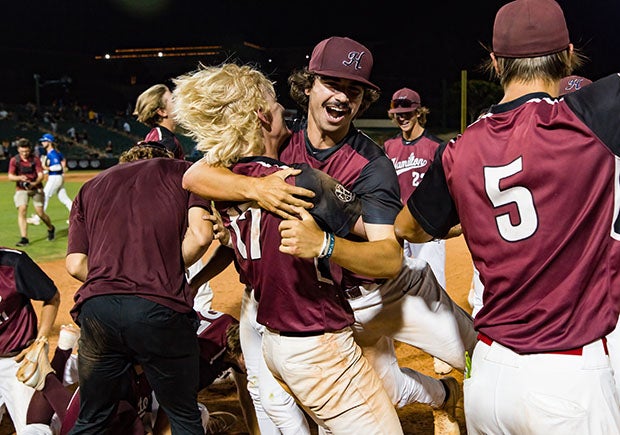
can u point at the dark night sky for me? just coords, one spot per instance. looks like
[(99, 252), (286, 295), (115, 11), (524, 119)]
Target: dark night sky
[(415, 44)]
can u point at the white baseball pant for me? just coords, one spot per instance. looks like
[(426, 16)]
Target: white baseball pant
[(276, 410), (55, 185), (15, 395), (433, 252), (541, 393), (414, 309)]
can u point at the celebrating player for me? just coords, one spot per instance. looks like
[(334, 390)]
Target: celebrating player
[(546, 242), (391, 298), (234, 114)]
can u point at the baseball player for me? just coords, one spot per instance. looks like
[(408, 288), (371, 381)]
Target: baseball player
[(412, 151), (55, 165), (308, 343), (154, 303), (393, 298), (154, 109), (548, 261), (21, 341)]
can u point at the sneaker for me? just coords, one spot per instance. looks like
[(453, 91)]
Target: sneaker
[(23, 242), (225, 378), (441, 368), (446, 418), (34, 220), (35, 366), (220, 422), (51, 234), (68, 337)]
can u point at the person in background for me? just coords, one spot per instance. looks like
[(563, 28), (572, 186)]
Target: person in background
[(154, 109), (55, 165), (412, 151), (546, 243), (23, 344), (27, 172)]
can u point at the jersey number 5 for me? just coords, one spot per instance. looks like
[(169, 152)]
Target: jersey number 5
[(518, 195)]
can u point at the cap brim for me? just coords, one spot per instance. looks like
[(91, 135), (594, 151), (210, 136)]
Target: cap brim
[(341, 75), (403, 109)]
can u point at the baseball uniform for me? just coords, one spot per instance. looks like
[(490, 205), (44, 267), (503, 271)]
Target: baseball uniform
[(412, 307), (307, 344), (22, 280), (550, 272)]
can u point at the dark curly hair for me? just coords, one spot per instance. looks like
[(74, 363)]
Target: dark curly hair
[(303, 79)]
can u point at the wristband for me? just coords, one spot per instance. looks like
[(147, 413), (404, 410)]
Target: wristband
[(330, 246)]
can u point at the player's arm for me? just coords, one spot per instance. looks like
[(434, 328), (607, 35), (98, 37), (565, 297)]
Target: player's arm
[(407, 227), (77, 265), (271, 193), (221, 258), (303, 238), (12, 174), (47, 317), (198, 236)]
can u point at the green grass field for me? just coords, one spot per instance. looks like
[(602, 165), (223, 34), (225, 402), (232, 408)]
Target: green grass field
[(40, 249)]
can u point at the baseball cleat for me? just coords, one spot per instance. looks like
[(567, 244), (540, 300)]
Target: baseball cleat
[(34, 220), (220, 422), (446, 418), (51, 233), (441, 368)]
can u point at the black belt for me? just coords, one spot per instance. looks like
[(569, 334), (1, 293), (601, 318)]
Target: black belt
[(298, 333)]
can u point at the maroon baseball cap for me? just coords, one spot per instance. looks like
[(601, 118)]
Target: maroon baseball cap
[(573, 83), (529, 28), (343, 58), (404, 100)]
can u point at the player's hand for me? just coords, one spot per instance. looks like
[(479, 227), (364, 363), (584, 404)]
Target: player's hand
[(274, 194), (301, 236), (220, 232), (20, 356)]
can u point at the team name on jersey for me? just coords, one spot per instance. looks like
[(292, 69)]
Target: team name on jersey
[(412, 162)]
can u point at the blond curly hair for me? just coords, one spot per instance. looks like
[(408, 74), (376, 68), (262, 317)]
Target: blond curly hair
[(218, 107)]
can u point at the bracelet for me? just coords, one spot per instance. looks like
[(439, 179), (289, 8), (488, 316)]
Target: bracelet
[(324, 247), (330, 246)]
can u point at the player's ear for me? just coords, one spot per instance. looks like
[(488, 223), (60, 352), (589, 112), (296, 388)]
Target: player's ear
[(265, 117), (495, 65)]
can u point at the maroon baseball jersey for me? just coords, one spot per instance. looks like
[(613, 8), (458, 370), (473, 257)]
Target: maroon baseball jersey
[(363, 168), (21, 280), (534, 183), (168, 139), (411, 159), (30, 168), (294, 294), (212, 341), (130, 220)]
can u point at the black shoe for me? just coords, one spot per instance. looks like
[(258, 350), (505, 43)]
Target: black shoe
[(51, 234), (22, 242)]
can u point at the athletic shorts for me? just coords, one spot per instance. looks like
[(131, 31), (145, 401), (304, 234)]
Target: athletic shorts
[(21, 197)]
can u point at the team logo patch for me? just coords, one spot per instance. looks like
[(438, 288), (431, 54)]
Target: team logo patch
[(355, 59), (343, 194)]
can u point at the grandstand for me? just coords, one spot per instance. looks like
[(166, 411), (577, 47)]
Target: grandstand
[(85, 147)]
